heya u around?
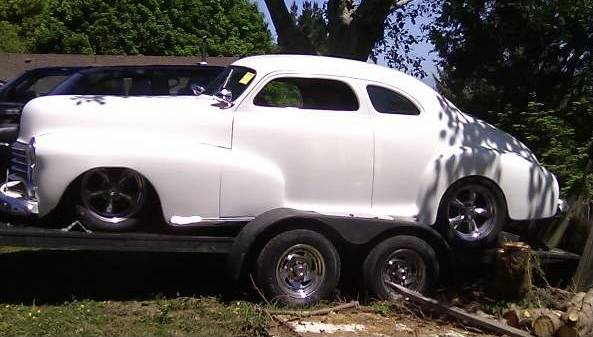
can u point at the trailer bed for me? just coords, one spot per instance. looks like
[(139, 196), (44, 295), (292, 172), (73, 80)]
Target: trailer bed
[(39, 237)]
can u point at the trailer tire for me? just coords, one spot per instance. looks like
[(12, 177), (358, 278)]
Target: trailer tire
[(298, 268), (400, 259)]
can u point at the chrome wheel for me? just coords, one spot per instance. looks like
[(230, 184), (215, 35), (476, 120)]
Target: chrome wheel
[(406, 268), (472, 212), (113, 194), (300, 271)]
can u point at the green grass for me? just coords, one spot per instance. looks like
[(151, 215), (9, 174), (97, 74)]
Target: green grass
[(201, 316)]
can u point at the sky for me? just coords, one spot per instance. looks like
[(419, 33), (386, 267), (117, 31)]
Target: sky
[(423, 49)]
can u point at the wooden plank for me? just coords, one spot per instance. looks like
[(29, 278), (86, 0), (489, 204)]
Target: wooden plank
[(458, 313)]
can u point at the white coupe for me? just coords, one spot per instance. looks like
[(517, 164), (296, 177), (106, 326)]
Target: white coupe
[(312, 133)]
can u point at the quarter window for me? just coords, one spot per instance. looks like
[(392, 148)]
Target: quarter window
[(390, 102), (307, 93)]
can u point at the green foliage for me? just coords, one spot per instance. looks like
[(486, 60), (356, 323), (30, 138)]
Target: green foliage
[(148, 27), (10, 42), (525, 66)]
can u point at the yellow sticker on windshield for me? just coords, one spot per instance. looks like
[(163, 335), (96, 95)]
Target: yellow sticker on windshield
[(247, 78)]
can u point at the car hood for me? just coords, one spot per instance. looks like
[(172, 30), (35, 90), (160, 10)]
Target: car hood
[(171, 115)]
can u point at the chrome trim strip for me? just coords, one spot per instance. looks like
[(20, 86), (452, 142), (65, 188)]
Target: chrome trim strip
[(198, 220)]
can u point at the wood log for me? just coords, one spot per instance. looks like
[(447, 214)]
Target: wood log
[(458, 313), (519, 318), (578, 316), (547, 323)]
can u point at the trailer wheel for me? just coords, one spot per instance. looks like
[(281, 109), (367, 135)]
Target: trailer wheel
[(112, 199), (298, 267), (404, 260)]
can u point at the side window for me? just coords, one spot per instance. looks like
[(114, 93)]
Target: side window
[(390, 102), (308, 93)]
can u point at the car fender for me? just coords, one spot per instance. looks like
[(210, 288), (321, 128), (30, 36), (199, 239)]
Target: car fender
[(186, 176), (530, 190)]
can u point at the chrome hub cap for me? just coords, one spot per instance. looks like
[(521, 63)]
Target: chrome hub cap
[(112, 194), (406, 268), (471, 213), (300, 271)]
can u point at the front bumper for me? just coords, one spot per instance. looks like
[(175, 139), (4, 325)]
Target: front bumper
[(16, 203)]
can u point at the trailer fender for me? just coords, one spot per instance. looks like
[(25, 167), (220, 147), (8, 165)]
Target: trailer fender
[(347, 231)]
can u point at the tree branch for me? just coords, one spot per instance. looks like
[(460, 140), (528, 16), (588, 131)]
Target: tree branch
[(290, 38)]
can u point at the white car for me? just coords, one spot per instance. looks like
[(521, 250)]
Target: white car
[(312, 133)]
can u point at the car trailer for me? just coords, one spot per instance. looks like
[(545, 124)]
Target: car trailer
[(294, 254)]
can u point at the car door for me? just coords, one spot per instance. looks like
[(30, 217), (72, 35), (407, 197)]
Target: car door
[(404, 145), (311, 138)]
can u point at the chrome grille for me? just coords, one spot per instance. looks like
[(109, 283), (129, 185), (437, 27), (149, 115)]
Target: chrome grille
[(20, 165)]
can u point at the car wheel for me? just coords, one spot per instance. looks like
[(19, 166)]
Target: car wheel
[(472, 213), (404, 260), (112, 199), (298, 267)]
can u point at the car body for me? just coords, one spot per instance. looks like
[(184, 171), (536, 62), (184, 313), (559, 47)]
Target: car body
[(302, 132), (149, 80)]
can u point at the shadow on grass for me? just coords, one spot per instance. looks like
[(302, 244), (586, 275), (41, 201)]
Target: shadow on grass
[(46, 276)]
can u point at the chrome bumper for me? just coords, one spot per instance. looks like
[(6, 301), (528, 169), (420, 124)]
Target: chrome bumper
[(15, 203)]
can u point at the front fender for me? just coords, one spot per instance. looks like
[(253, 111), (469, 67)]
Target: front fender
[(185, 175)]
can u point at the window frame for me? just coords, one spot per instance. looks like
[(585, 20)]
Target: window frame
[(398, 91), (352, 83)]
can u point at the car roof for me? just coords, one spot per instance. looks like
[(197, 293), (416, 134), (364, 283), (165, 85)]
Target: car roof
[(150, 67), (332, 66)]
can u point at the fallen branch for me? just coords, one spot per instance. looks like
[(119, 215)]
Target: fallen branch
[(460, 314), (325, 311)]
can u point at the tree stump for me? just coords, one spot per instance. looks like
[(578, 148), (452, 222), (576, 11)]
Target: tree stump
[(513, 269)]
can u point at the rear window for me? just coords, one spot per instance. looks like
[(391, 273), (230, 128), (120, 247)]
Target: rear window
[(390, 102)]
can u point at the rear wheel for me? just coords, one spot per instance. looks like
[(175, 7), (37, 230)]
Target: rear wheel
[(112, 199), (298, 267), (404, 260), (472, 213)]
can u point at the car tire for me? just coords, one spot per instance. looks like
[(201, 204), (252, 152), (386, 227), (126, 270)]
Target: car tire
[(298, 268), (112, 199), (405, 260), (472, 214)]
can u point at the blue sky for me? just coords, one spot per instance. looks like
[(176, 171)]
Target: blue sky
[(422, 49)]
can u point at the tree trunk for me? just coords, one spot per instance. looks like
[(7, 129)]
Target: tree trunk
[(583, 278), (513, 269)]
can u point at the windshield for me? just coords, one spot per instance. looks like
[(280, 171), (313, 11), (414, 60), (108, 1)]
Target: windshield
[(234, 79)]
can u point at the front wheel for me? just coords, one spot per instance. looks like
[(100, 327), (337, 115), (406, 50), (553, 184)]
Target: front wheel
[(112, 199), (298, 267), (472, 213)]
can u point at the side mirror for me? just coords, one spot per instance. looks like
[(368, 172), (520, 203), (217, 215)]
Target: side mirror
[(225, 95), (197, 89)]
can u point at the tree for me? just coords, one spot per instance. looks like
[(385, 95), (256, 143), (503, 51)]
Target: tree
[(10, 42), (149, 27), (525, 66), (352, 29)]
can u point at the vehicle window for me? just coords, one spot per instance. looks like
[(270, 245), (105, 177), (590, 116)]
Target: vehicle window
[(308, 93), (233, 78), (390, 102), (280, 93), (108, 87), (35, 87)]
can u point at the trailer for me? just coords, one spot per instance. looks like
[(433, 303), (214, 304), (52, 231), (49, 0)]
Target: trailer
[(294, 256)]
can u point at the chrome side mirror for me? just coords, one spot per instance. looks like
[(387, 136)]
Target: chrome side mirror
[(224, 96), (197, 89)]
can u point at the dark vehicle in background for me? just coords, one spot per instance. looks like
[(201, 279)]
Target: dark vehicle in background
[(151, 80), (2, 83), (138, 80), (16, 93)]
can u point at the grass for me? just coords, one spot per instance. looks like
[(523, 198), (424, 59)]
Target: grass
[(82, 293), (202, 316)]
